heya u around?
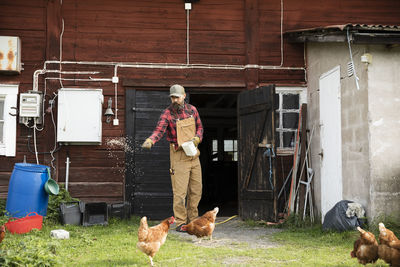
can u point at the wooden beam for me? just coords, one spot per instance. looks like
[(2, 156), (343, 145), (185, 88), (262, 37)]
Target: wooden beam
[(218, 112), (187, 84), (252, 28), (316, 38), (339, 36), (53, 31), (376, 38), (258, 194), (245, 110), (303, 167)]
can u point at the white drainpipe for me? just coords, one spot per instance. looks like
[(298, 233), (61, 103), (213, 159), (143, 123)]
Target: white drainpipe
[(67, 173)]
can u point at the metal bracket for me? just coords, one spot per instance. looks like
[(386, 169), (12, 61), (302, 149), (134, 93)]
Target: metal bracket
[(15, 113)]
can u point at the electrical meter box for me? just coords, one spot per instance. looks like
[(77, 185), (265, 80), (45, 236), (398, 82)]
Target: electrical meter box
[(29, 105), (79, 116)]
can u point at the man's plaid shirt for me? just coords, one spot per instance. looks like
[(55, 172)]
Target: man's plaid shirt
[(167, 122)]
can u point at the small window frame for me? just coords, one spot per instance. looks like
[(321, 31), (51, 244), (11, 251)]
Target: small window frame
[(280, 130), (231, 153)]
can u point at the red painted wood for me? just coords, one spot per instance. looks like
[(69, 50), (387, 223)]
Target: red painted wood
[(235, 32)]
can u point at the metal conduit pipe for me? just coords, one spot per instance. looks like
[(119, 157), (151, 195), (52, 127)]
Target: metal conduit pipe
[(146, 65), (67, 173), (173, 65), (43, 71), (75, 79)]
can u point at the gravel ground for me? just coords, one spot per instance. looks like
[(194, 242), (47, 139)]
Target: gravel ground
[(234, 233)]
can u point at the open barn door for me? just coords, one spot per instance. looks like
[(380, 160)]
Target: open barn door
[(147, 182), (256, 131)]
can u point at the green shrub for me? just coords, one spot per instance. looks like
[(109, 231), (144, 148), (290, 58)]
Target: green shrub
[(30, 250), (295, 221), (3, 217), (53, 209), (390, 222), (3, 205)]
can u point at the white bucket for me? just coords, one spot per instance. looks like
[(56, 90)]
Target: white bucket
[(189, 148)]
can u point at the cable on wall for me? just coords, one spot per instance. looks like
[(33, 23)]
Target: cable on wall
[(352, 61), (61, 36), (187, 31)]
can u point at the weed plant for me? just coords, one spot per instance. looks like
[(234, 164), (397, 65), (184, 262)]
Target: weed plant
[(33, 248)]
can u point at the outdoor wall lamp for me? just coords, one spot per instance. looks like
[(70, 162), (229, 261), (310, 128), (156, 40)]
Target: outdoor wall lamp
[(366, 58), (109, 113)]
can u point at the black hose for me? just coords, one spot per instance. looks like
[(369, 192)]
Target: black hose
[(33, 152)]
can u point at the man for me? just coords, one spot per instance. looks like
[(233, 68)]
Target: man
[(182, 123)]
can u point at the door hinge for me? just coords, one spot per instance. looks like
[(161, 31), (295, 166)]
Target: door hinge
[(264, 145)]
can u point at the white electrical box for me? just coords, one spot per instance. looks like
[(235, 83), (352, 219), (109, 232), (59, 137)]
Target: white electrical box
[(10, 48), (79, 116), (29, 105)]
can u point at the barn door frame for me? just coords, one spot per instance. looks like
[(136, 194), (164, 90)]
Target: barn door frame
[(130, 96), (147, 185), (256, 138)]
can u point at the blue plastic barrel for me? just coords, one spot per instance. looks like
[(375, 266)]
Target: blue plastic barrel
[(26, 190)]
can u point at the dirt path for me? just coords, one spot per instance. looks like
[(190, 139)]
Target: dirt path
[(234, 233)]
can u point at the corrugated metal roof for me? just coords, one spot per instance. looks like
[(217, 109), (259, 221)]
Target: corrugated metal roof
[(341, 27), (358, 33)]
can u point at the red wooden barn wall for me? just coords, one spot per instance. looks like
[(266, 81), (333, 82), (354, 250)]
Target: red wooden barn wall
[(26, 19), (236, 32)]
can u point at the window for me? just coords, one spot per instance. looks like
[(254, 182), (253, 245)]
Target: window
[(229, 150), (2, 100), (8, 124), (289, 100)]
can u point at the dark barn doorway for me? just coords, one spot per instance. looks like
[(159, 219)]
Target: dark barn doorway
[(236, 173), (219, 154), (148, 184)]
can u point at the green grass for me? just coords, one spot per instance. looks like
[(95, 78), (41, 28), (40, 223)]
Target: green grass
[(313, 247), (115, 245)]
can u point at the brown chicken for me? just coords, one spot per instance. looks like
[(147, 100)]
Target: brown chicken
[(365, 248), (2, 233), (388, 247), (394, 244), (202, 226), (385, 235), (151, 239)]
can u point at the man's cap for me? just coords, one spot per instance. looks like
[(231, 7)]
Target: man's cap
[(176, 90)]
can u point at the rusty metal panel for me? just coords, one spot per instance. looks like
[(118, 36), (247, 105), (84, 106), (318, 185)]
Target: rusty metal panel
[(10, 54)]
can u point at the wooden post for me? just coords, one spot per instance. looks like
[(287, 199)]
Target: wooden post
[(53, 31), (303, 172), (251, 23)]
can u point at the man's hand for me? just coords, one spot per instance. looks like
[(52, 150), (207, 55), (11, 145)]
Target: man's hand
[(147, 144), (196, 140)]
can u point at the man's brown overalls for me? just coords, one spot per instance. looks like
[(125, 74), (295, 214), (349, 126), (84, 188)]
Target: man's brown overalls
[(185, 174)]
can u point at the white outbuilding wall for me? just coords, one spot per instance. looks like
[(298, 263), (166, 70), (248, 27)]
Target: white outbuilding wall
[(370, 123)]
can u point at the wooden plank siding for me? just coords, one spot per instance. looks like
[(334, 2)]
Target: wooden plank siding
[(26, 19), (237, 32)]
